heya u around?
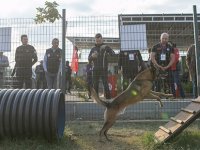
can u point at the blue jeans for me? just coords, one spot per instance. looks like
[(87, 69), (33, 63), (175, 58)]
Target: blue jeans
[(51, 80), (176, 80)]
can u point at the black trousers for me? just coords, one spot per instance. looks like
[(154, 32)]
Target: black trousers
[(68, 84), (101, 74), (27, 80), (24, 76), (89, 89), (41, 83)]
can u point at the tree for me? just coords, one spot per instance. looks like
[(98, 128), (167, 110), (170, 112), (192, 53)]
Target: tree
[(49, 13)]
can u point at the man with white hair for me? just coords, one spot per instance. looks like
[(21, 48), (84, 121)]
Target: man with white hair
[(162, 57)]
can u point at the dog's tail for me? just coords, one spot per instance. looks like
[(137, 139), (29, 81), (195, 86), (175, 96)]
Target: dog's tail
[(97, 99)]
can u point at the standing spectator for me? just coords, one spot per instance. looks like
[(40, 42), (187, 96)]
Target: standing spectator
[(51, 64), (40, 76), (89, 78), (162, 57), (174, 74), (130, 64), (25, 58), (191, 64), (3, 63), (68, 71), (98, 55)]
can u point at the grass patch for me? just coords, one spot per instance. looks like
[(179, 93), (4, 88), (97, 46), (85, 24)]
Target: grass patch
[(187, 140), (125, 136)]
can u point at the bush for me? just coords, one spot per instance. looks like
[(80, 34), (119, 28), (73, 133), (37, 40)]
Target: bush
[(79, 83), (187, 87)]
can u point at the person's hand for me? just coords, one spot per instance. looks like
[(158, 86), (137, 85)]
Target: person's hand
[(94, 54), (119, 71), (162, 68), (165, 68)]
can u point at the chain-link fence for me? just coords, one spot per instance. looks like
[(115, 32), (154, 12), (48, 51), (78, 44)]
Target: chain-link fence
[(125, 33), (39, 36)]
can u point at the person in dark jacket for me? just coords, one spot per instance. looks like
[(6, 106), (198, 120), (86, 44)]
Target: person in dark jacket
[(98, 55), (68, 71), (40, 76), (51, 64), (130, 64), (25, 58)]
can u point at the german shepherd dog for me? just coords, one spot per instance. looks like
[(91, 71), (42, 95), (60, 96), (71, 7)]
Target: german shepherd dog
[(138, 89)]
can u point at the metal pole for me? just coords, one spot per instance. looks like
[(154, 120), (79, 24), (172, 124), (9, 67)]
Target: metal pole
[(63, 73), (197, 47)]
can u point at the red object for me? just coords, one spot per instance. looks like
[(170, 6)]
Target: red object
[(74, 64), (177, 92), (176, 53), (112, 83)]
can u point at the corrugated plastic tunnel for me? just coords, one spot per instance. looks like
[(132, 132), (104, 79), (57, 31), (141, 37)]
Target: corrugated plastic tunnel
[(32, 112)]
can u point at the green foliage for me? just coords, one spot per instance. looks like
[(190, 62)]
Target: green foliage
[(49, 13), (187, 87), (79, 83)]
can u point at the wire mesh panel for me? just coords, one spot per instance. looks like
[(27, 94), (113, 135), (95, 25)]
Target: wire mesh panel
[(38, 35), (127, 34), (94, 46), (81, 33), (143, 32)]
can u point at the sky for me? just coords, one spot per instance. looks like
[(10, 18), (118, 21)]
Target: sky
[(74, 8), (27, 8)]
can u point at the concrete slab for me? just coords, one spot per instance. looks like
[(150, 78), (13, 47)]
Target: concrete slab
[(145, 110)]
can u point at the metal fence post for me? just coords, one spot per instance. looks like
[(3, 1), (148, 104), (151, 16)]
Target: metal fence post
[(197, 47), (63, 73)]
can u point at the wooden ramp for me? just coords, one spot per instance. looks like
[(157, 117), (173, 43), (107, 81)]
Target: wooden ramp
[(178, 123)]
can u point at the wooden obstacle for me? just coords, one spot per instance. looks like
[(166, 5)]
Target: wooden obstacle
[(178, 123)]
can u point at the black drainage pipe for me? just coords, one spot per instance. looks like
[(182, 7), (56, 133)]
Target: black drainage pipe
[(32, 112)]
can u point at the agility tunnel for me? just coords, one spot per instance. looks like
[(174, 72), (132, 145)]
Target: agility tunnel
[(32, 112)]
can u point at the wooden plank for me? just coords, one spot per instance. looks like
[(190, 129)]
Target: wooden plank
[(196, 101), (193, 106), (177, 120), (184, 116), (198, 98), (165, 129), (172, 126), (161, 135), (188, 110)]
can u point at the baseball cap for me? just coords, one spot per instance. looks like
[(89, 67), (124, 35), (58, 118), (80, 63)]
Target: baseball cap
[(98, 35)]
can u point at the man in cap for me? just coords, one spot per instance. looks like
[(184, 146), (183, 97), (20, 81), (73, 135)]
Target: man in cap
[(99, 55)]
